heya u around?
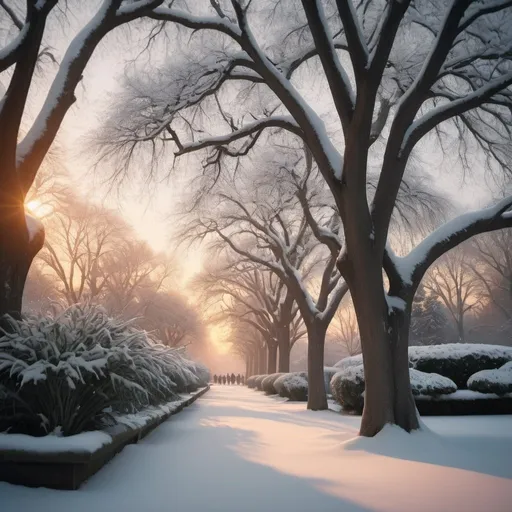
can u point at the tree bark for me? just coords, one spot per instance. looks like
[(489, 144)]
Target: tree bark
[(317, 398), (272, 358), (283, 338), (16, 254)]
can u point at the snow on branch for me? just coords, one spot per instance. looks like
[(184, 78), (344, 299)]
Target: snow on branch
[(413, 266)]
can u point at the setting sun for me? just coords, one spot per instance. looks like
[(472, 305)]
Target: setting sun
[(39, 209)]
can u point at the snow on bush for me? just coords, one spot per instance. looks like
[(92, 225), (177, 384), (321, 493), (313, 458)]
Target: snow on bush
[(329, 373), (63, 371), (267, 383), (458, 361), (293, 386), (258, 381), (497, 381), (348, 386), (251, 381), (347, 362), (430, 384)]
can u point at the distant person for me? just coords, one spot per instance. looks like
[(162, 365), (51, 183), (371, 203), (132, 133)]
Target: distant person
[(238, 380), (228, 378), (233, 378), (223, 379), (243, 380)]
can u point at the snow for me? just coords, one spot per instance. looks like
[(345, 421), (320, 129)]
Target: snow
[(237, 450), (395, 303), (430, 383), (85, 442), (463, 394), (34, 226), (407, 264)]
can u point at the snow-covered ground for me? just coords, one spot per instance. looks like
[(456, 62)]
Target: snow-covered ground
[(238, 450)]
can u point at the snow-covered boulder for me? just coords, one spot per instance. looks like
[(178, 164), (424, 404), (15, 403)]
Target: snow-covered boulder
[(268, 383), (329, 372), (293, 386), (492, 381), (258, 382), (347, 388), (458, 361), (430, 384), (251, 381)]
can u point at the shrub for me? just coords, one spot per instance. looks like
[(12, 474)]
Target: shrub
[(251, 381), (293, 386), (458, 361), (63, 370), (329, 373), (430, 384), (268, 383), (259, 382), (348, 386), (497, 381)]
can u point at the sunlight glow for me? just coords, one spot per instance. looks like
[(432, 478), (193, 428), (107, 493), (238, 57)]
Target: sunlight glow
[(39, 209)]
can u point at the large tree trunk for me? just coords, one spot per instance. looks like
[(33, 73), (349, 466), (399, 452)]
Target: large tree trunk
[(384, 342), (317, 398), (17, 250), (272, 358), (283, 338)]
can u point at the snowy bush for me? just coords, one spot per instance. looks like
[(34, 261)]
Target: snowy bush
[(348, 386), (329, 373), (267, 383), (62, 371), (458, 361), (497, 381), (293, 386), (347, 362), (251, 381), (258, 382), (430, 384)]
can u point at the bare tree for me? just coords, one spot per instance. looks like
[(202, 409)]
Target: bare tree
[(436, 60), (452, 281), (346, 330), (29, 23), (81, 239), (493, 267)]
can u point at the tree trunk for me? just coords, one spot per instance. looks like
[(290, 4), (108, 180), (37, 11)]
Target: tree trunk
[(248, 366), (272, 358), (317, 398), (406, 414), (17, 251), (384, 342), (364, 277), (262, 360), (283, 337)]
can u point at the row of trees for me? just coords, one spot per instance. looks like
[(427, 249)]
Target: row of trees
[(91, 254), (390, 73)]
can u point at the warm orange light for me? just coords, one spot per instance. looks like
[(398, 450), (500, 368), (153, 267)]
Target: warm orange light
[(39, 209)]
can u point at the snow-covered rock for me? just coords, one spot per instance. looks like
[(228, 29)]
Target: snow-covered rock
[(497, 381), (293, 386)]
